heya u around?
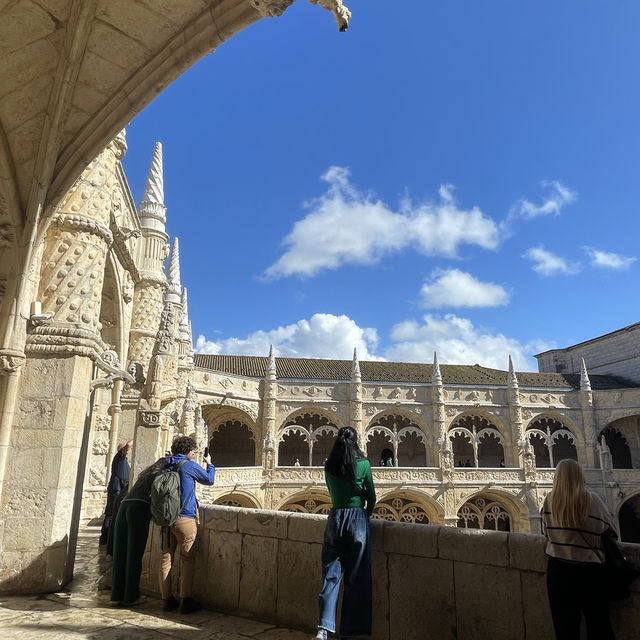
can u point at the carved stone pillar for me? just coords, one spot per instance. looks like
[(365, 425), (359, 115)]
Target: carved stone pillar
[(588, 420), (437, 404), (269, 400), (50, 434), (147, 440), (355, 400)]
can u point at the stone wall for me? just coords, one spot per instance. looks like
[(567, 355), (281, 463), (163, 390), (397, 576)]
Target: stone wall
[(615, 354), (451, 583)]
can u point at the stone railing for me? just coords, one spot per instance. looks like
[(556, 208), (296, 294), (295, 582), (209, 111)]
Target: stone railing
[(452, 583)]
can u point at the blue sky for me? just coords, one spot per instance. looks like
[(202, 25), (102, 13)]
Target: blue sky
[(459, 176)]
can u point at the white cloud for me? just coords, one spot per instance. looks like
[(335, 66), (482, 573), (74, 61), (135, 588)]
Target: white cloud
[(548, 264), (608, 260), (457, 341), (455, 288), (559, 197), (348, 226), (324, 335)]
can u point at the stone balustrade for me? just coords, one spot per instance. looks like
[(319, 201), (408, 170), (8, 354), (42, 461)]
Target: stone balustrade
[(429, 581)]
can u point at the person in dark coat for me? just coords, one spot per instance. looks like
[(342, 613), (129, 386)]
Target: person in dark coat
[(118, 482)]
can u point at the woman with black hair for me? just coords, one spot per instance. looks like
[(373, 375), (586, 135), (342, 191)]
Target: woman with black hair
[(345, 548), (130, 533)]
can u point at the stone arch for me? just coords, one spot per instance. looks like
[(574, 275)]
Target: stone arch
[(239, 498), (411, 415), (231, 436), (618, 447), (486, 415), (307, 502), (551, 440), (629, 427), (412, 505), (317, 428), (404, 433), (330, 416), (629, 518), (491, 514), (477, 441)]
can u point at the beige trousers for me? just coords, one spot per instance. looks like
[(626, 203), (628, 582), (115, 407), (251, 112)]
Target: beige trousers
[(182, 534)]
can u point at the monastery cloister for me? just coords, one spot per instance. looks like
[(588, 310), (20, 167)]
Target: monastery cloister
[(97, 348)]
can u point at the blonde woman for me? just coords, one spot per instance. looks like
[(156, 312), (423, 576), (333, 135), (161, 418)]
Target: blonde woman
[(573, 520)]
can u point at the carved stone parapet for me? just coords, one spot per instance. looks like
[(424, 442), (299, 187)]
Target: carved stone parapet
[(153, 277), (11, 360), (83, 224), (149, 418), (58, 340)]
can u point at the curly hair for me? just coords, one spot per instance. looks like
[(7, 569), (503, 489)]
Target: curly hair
[(182, 444)]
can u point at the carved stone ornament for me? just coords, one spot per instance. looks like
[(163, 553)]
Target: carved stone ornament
[(341, 14), (271, 8), (149, 418), (11, 361)]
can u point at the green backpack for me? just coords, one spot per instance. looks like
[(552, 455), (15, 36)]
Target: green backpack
[(165, 496)]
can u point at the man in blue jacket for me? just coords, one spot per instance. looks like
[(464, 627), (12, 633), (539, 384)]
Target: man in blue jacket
[(183, 533), (118, 483)]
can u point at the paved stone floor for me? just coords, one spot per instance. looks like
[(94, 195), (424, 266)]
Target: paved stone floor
[(83, 611)]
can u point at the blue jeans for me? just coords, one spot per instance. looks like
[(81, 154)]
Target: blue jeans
[(346, 550)]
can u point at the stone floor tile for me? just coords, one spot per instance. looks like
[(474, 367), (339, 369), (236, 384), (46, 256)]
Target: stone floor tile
[(284, 634)]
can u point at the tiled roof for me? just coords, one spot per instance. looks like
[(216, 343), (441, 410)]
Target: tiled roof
[(375, 371)]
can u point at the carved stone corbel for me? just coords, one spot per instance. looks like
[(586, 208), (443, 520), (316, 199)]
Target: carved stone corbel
[(11, 360)]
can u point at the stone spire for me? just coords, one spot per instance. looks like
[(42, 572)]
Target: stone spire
[(185, 329), (173, 293), (271, 365), (151, 209), (436, 376), (355, 368), (512, 380), (585, 383)]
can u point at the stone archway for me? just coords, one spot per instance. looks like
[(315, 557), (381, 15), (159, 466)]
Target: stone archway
[(231, 436), (552, 441), (306, 438), (476, 442), (308, 503), (629, 519), (238, 499)]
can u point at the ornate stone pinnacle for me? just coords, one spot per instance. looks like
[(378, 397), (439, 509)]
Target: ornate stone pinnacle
[(151, 209), (185, 333), (119, 144), (512, 380), (271, 365), (585, 383), (174, 291), (436, 376), (355, 368)]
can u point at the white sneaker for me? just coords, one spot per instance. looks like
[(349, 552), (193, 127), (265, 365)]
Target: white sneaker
[(321, 635)]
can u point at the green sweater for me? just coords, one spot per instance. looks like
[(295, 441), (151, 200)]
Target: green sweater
[(344, 494)]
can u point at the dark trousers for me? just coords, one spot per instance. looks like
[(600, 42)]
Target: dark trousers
[(108, 514), (346, 551), (576, 588), (129, 541)]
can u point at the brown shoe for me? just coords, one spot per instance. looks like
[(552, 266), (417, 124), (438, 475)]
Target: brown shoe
[(170, 604)]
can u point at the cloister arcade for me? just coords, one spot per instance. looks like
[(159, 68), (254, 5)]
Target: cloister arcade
[(401, 434), (552, 441), (477, 442), (306, 438), (231, 437)]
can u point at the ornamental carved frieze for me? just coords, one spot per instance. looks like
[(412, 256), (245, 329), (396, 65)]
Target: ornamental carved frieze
[(64, 341)]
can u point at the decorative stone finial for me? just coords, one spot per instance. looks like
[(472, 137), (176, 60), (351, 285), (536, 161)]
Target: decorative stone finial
[(355, 368), (512, 380), (436, 376), (151, 209), (585, 383), (271, 365), (173, 293)]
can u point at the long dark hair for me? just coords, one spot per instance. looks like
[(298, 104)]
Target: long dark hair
[(344, 456)]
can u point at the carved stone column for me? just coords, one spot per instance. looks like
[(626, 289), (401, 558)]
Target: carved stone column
[(437, 404), (49, 438), (147, 440), (515, 414), (269, 447)]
